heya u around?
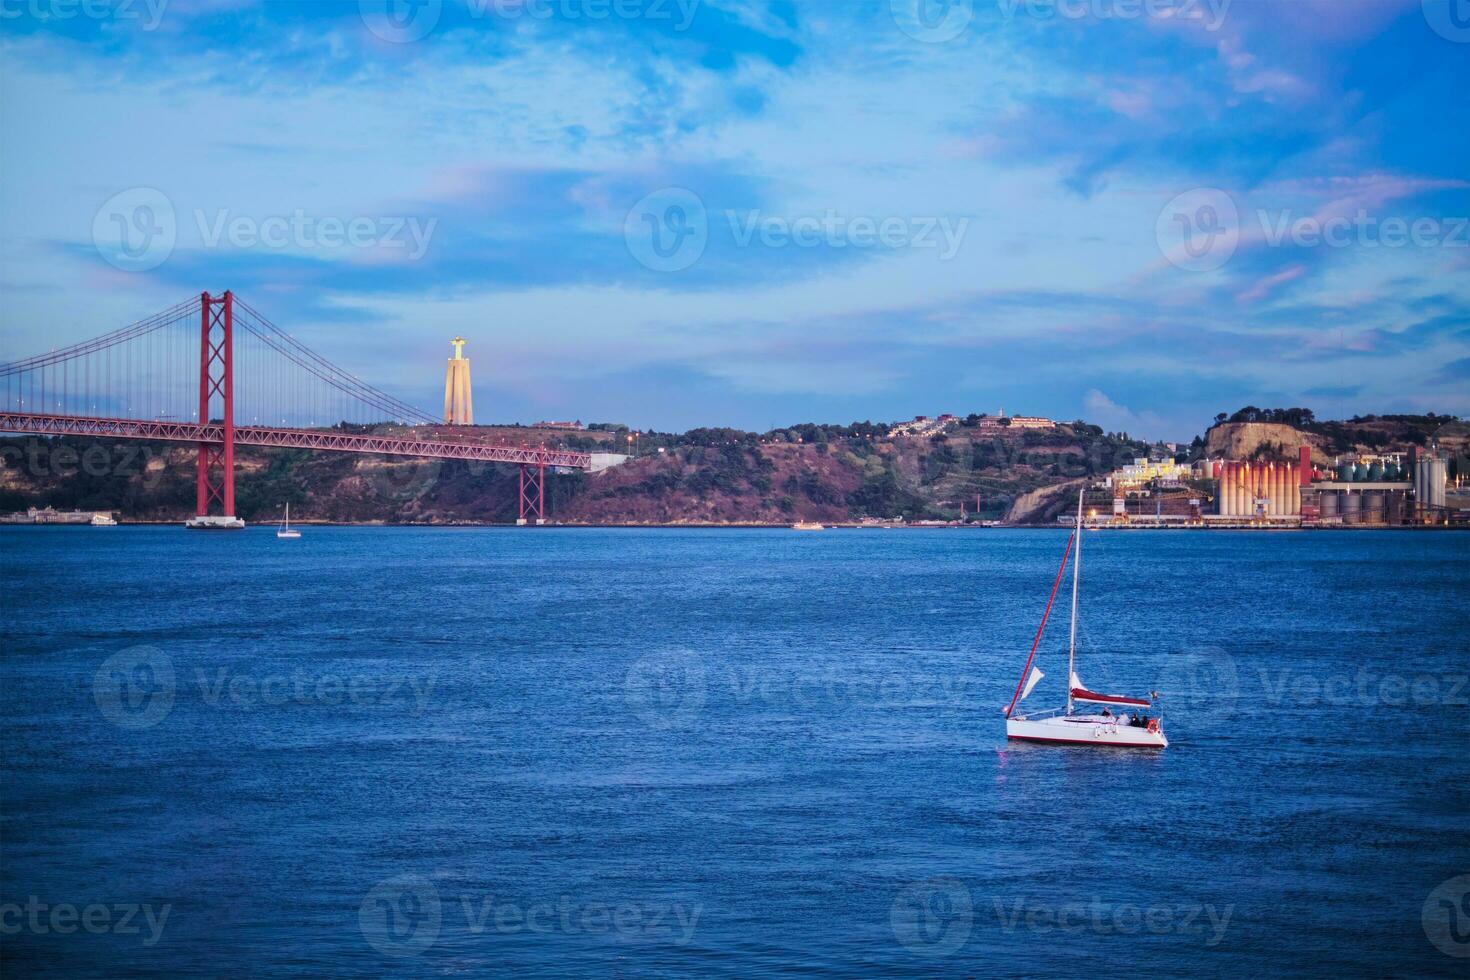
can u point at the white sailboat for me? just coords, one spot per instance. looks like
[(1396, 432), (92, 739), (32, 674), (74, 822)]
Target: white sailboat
[(1115, 725), (285, 530)]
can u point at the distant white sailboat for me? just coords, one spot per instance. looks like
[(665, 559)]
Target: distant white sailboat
[(1064, 725), (285, 530)]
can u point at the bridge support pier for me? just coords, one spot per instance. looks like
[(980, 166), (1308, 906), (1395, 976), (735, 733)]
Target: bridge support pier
[(533, 493), (215, 475)]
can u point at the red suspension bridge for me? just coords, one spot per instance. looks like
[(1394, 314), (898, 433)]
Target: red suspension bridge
[(215, 373)]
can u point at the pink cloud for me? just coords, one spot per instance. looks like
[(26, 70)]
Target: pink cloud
[(1262, 288)]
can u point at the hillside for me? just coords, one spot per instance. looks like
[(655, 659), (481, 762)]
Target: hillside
[(1254, 433), (820, 473), (705, 476)]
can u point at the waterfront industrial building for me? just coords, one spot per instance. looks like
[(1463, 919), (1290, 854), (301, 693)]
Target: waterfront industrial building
[(1357, 490)]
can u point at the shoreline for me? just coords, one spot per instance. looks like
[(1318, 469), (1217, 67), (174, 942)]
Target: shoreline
[(478, 525)]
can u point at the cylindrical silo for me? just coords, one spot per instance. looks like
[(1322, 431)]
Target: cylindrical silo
[(1393, 507), (1327, 501), (1439, 475), (1352, 507), (1373, 507)]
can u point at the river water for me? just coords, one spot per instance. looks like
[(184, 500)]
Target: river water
[(730, 753)]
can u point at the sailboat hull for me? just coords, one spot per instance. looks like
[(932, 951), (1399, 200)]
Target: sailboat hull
[(1084, 730)]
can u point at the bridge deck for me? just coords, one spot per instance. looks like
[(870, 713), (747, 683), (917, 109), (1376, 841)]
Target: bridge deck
[(323, 440)]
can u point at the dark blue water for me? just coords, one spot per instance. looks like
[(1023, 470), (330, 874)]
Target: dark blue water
[(730, 753)]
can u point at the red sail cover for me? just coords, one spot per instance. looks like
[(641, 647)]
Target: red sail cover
[(1083, 694)]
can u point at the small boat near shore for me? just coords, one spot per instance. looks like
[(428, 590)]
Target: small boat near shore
[(103, 520), (1114, 725), (808, 526), (285, 530)]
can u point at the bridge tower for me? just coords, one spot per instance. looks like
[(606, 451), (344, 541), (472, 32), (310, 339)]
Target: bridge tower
[(533, 493), (215, 475)]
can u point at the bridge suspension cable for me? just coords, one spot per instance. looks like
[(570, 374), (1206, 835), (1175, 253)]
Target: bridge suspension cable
[(150, 370)]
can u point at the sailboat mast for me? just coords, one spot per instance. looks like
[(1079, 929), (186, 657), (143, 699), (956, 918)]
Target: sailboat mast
[(1076, 573)]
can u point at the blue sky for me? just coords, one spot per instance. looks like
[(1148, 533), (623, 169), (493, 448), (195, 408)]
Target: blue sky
[(674, 213)]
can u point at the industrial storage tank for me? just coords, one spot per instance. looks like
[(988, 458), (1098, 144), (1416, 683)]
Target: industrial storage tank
[(1429, 483), (1345, 473), (1375, 472), (1373, 507), (1393, 512), (1327, 501), (1352, 508), (1360, 473)]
